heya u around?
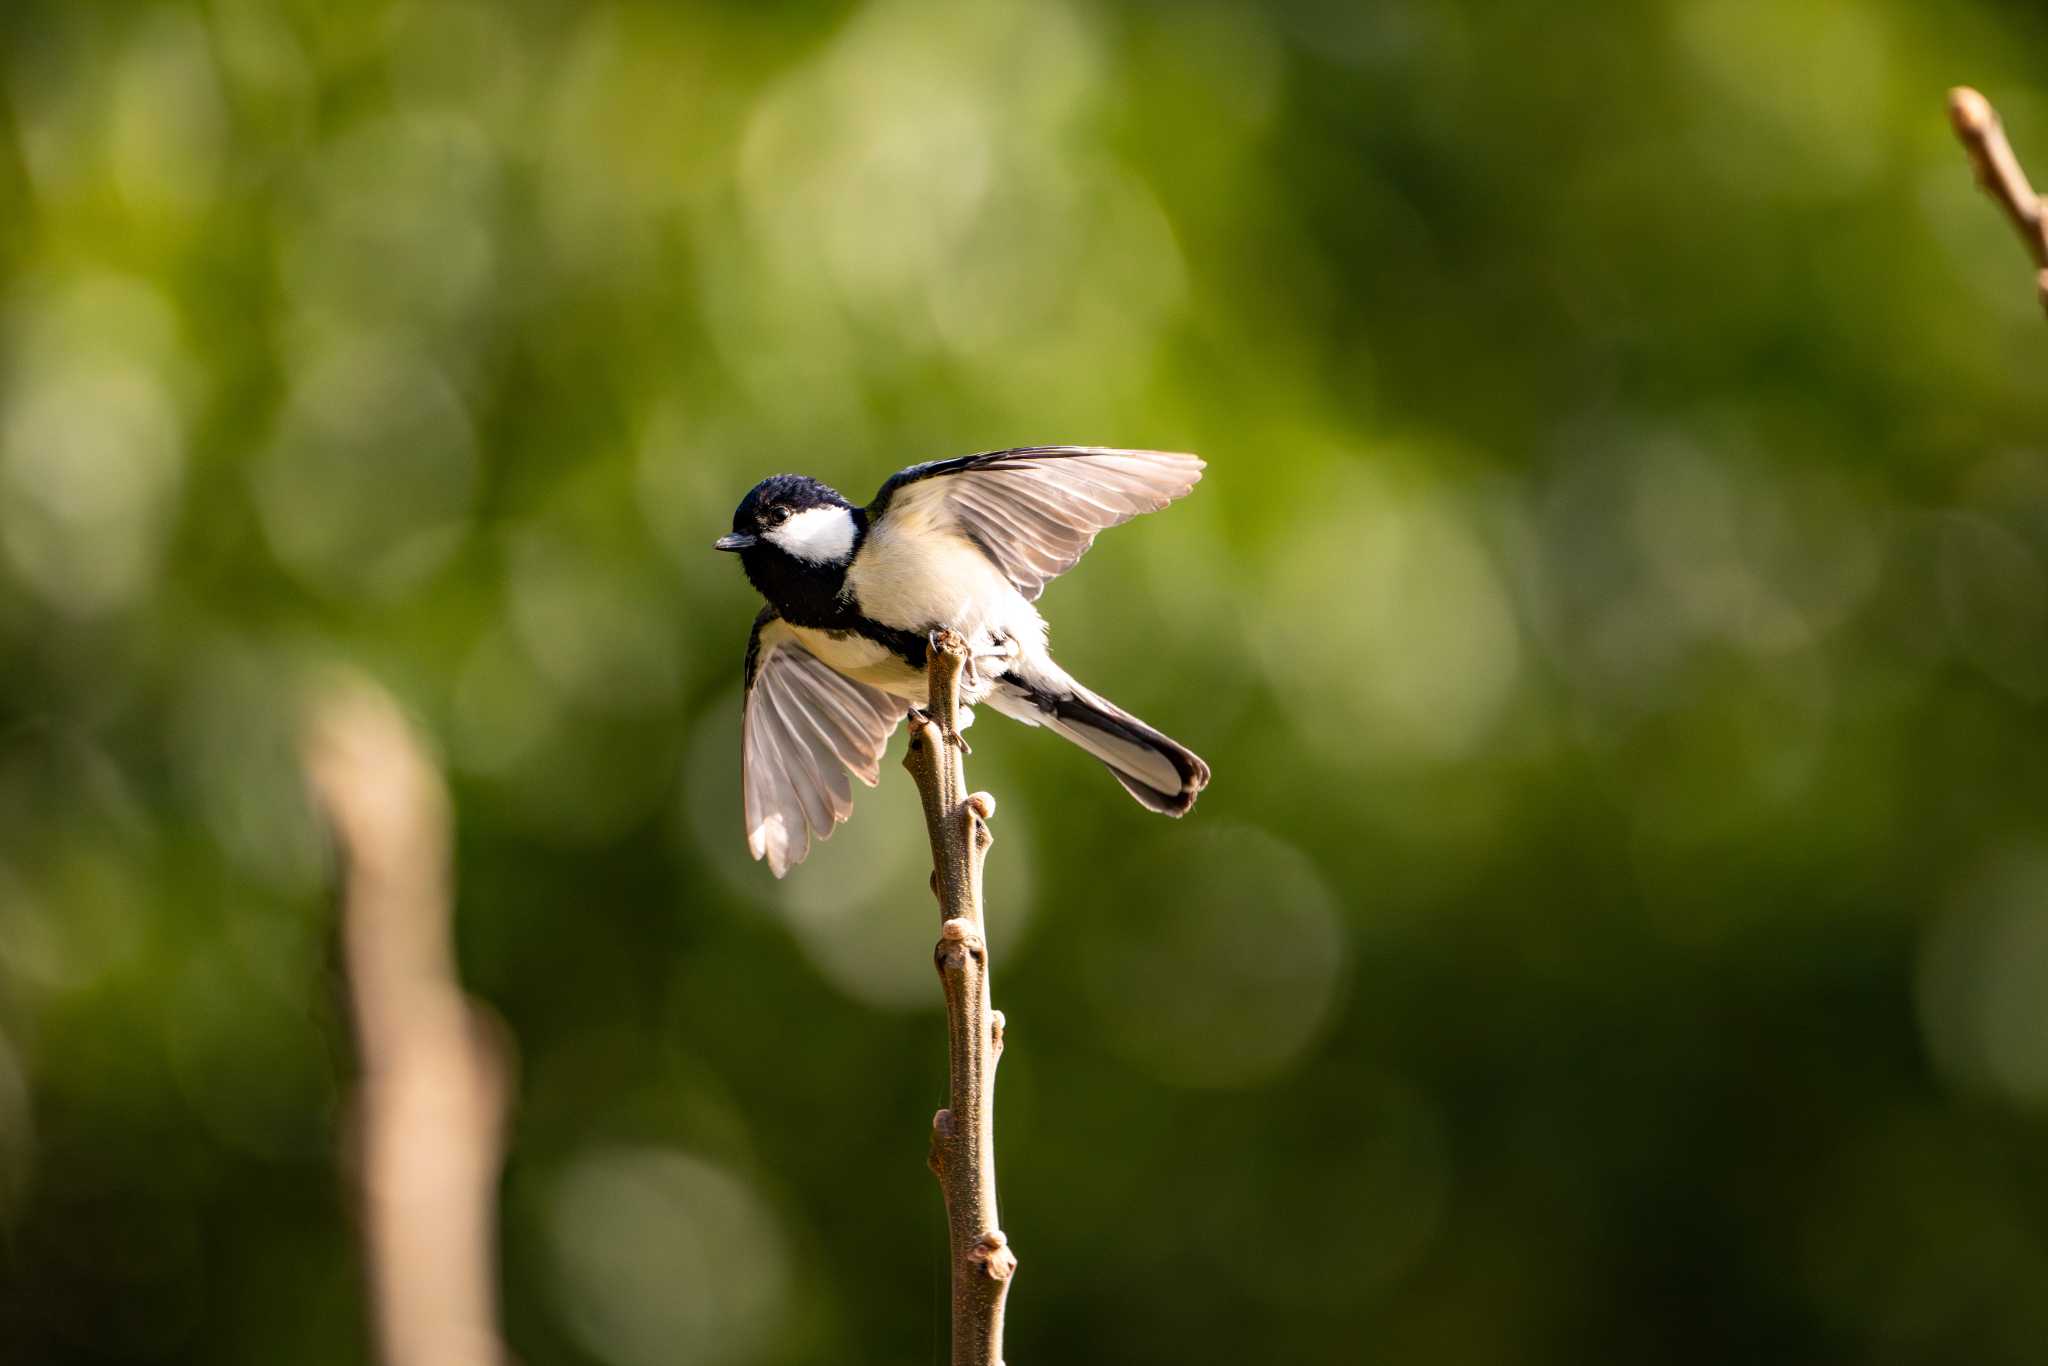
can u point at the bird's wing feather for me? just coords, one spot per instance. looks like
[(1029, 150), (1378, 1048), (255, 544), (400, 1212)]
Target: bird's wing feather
[(1037, 509), (806, 728)]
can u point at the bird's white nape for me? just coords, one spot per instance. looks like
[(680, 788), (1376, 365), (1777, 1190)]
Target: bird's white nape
[(818, 535)]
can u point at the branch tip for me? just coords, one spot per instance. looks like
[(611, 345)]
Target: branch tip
[(1970, 112), (1998, 170)]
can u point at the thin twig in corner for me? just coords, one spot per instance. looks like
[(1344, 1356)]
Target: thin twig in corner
[(435, 1066), (963, 1135), (1998, 171)]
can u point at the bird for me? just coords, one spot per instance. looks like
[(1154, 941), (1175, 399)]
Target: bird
[(855, 595)]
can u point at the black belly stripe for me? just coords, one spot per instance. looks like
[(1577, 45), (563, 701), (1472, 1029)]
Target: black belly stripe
[(908, 646)]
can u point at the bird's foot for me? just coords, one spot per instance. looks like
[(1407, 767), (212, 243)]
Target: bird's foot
[(971, 680), (975, 653)]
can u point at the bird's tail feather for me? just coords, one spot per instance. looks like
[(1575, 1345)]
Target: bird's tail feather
[(1160, 772)]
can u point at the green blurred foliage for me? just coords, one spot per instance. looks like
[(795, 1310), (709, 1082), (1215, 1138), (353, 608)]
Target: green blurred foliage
[(1617, 615)]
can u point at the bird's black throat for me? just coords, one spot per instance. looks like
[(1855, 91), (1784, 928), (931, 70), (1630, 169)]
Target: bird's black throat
[(801, 593)]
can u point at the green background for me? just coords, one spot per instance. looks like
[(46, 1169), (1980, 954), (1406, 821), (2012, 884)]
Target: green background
[(1616, 613)]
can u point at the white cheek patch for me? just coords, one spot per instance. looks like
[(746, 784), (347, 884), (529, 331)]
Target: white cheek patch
[(820, 535)]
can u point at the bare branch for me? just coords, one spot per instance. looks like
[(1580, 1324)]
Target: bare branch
[(435, 1065), (963, 1150), (1999, 173)]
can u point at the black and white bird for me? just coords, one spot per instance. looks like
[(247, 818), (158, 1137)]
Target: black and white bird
[(837, 656)]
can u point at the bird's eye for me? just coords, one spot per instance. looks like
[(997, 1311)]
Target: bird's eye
[(775, 516)]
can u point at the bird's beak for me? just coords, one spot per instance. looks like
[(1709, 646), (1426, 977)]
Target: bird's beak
[(739, 540)]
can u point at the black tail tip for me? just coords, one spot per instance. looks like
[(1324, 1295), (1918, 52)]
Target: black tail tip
[(1194, 776)]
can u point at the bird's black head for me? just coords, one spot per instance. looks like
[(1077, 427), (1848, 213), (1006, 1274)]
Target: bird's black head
[(772, 503), (795, 536)]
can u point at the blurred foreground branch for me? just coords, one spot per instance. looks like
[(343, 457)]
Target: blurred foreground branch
[(963, 1135), (1999, 172), (435, 1066)]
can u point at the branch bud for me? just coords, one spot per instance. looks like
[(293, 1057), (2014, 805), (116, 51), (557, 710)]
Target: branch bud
[(993, 1254)]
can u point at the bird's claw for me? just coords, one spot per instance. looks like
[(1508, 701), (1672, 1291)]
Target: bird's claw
[(952, 642)]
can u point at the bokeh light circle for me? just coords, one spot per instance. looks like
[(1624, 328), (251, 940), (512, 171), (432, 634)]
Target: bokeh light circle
[(663, 1259), (1224, 960)]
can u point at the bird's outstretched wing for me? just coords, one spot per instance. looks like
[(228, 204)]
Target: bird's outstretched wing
[(1036, 509), (806, 728)]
